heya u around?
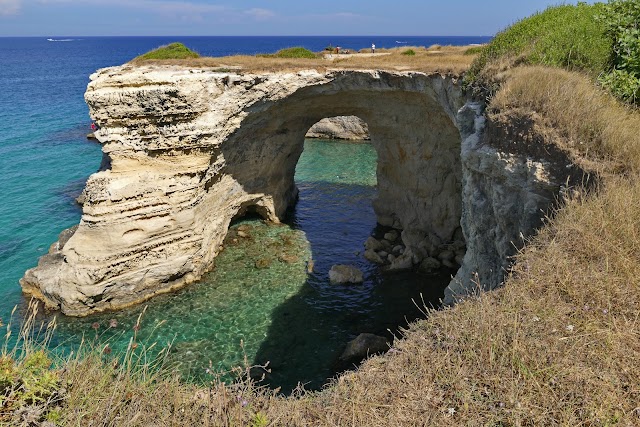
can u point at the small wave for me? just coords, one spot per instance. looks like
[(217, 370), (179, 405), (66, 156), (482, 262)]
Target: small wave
[(400, 42), (60, 40)]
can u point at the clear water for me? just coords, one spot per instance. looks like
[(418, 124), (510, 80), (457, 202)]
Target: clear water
[(297, 321)]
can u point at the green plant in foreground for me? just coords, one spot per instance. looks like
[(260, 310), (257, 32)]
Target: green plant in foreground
[(170, 51), (259, 420), (621, 19), (474, 50), (30, 385), (409, 52)]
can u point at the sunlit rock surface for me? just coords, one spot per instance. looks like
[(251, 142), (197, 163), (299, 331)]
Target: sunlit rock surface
[(341, 127)]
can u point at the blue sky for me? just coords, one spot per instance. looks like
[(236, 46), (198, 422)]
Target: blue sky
[(261, 17)]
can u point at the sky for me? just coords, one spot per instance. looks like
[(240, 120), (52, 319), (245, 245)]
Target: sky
[(262, 17)]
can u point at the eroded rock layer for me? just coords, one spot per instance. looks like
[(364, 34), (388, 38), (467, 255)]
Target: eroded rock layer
[(191, 149), (340, 127)]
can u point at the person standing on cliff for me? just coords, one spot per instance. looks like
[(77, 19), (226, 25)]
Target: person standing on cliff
[(373, 48)]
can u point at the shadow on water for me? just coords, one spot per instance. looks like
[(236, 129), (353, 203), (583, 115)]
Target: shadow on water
[(308, 332)]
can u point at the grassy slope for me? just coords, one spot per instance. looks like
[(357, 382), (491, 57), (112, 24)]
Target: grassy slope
[(559, 344)]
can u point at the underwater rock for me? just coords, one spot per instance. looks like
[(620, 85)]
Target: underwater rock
[(263, 262), (429, 265), (365, 345), (288, 258), (373, 257), (341, 274)]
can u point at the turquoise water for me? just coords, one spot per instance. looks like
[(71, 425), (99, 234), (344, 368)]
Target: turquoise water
[(297, 321)]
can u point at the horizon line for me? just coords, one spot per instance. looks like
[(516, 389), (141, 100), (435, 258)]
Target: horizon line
[(279, 35)]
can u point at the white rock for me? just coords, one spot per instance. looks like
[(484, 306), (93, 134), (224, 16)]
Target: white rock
[(373, 244), (339, 127), (391, 236)]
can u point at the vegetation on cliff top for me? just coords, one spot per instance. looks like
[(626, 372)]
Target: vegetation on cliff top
[(621, 19), (291, 52), (170, 51), (566, 36), (559, 344), (601, 40), (447, 59)]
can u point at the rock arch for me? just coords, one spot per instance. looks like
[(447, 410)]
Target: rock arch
[(190, 148)]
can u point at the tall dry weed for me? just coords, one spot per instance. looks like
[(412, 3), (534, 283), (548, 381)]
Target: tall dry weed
[(596, 124)]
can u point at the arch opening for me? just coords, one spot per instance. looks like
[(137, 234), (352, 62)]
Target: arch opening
[(336, 185)]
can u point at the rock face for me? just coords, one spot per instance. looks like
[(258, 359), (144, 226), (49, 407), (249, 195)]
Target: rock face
[(513, 175), (341, 127), (190, 149)]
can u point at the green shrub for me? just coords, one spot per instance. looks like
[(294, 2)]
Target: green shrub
[(621, 19), (565, 36), (474, 50), (170, 51), (30, 380), (292, 52), (409, 52)]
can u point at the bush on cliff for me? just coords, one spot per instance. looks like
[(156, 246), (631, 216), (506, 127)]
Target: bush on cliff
[(291, 52), (621, 19), (170, 51)]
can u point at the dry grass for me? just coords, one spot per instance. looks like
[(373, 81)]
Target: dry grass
[(448, 59), (558, 345), (595, 123)]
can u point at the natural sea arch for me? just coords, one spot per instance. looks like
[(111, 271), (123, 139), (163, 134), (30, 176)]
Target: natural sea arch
[(191, 149)]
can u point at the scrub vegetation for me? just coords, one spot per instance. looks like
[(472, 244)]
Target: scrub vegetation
[(170, 51), (291, 52), (558, 344)]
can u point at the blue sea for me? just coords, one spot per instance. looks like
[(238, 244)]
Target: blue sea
[(279, 313)]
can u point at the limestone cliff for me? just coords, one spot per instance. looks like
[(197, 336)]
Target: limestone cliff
[(514, 175), (190, 149)]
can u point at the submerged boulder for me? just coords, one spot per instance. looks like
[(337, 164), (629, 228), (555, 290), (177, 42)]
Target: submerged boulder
[(373, 256), (363, 346), (345, 274)]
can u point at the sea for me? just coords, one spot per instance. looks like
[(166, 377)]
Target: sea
[(252, 309)]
